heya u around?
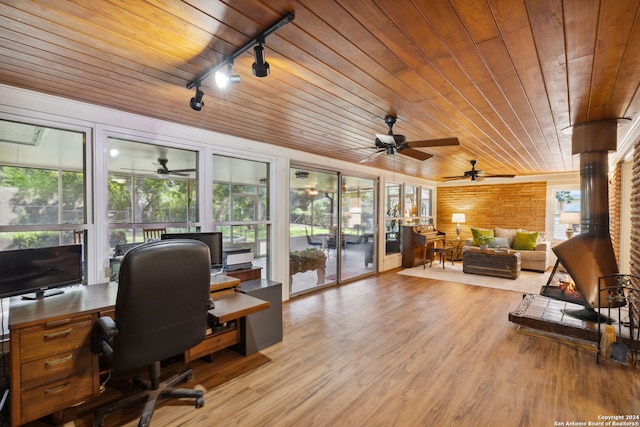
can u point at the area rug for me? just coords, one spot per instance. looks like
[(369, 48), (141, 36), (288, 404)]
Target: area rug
[(528, 282)]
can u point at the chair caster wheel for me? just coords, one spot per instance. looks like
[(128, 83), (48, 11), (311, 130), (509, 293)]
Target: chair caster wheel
[(199, 402)]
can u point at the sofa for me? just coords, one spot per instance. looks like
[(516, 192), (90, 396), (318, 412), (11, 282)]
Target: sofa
[(535, 251)]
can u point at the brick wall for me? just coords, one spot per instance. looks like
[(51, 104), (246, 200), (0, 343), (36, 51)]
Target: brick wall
[(486, 206), (615, 188), (634, 256)]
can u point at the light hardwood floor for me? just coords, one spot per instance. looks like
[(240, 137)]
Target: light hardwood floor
[(395, 350)]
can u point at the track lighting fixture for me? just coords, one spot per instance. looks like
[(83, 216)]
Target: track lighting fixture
[(223, 78), (260, 67), (196, 102)]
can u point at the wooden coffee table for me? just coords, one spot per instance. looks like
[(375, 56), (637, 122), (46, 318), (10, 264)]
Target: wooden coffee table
[(491, 263)]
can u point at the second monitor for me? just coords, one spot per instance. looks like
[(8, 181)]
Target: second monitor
[(213, 239)]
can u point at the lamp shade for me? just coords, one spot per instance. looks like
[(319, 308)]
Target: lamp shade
[(570, 218), (458, 217)]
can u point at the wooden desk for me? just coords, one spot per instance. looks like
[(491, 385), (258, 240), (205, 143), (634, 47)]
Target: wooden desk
[(52, 366), (246, 274)]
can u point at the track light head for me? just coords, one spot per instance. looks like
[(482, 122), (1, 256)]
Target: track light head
[(223, 78), (260, 66), (196, 102)]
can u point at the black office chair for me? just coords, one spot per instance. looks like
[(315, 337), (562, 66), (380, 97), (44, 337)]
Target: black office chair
[(161, 311)]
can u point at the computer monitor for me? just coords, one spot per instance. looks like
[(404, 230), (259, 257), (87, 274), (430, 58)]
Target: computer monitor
[(26, 271), (213, 239)]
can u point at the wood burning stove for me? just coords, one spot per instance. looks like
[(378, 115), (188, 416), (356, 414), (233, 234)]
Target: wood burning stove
[(590, 255)]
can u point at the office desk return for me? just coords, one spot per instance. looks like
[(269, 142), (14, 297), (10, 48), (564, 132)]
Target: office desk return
[(52, 367)]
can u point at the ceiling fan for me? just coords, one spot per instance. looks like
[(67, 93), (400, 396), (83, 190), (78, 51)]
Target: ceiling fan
[(475, 174), (163, 171), (392, 143)]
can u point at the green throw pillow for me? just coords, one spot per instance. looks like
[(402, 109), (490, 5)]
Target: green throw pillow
[(477, 232), (525, 241)]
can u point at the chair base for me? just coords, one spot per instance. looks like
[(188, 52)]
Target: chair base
[(152, 395)]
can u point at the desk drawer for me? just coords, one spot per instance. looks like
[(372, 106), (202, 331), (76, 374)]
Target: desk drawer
[(213, 343), (56, 366), (44, 341), (40, 401)]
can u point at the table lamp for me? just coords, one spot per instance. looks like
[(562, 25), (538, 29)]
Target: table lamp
[(569, 218), (458, 218)]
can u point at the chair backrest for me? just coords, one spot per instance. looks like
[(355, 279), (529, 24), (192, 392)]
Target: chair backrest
[(161, 306), (153, 233)]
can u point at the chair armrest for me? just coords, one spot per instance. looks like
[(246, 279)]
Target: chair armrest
[(107, 326), (102, 333)]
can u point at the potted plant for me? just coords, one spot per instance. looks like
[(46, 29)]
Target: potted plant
[(484, 242)]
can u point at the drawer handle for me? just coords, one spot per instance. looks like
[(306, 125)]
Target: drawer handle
[(58, 361), (57, 389), (58, 334)]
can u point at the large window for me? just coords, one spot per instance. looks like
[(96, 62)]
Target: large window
[(566, 213), (42, 185), (401, 207), (240, 206), (150, 186)]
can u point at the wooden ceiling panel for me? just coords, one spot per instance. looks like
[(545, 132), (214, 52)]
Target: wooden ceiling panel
[(610, 51), (505, 77)]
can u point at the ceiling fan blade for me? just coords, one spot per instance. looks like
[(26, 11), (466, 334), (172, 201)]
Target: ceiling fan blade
[(181, 170), (416, 154), (137, 170), (497, 176), (371, 157), (444, 142), (451, 178)]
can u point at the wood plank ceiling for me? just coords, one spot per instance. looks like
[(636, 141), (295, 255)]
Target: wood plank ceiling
[(503, 76)]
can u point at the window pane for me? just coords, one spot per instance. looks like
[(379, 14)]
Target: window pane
[(221, 202), (566, 201), (150, 183), (392, 217), (241, 199), (42, 183), (411, 203), (33, 239), (244, 207), (120, 201), (240, 189), (426, 210), (73, 198), (31, 195), (161, 200)]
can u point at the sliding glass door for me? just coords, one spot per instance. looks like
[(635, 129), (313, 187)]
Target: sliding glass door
[(357, 227), (331, 228)]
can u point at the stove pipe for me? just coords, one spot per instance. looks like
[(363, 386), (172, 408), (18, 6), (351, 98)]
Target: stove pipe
[(590, 255)]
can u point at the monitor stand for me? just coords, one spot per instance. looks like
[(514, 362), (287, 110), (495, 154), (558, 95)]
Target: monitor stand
[(42, 294)]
